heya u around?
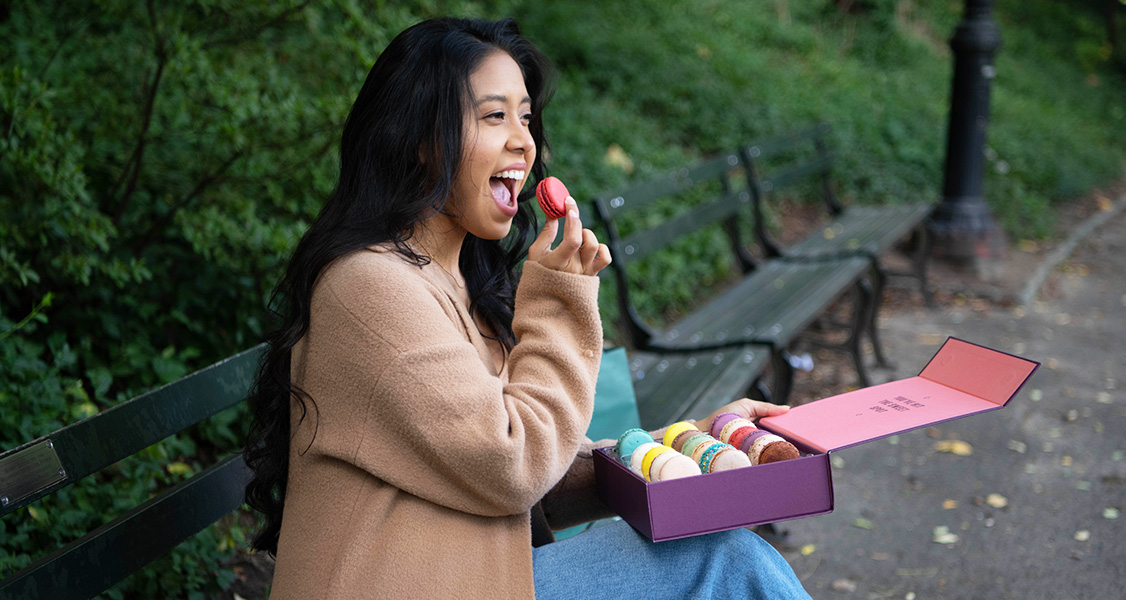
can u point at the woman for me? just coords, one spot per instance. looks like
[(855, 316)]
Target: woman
[(402, 437)]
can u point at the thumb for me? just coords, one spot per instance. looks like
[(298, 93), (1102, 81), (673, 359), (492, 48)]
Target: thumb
[(544, 239)]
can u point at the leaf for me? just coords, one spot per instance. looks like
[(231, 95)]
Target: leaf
[(808, 549), (1110, 513), (957, 447), (1082, 535), (942, 535), (996, 501), (180, 468), (863, 523)]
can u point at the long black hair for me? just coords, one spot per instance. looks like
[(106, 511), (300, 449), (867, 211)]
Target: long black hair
[(400, 153)]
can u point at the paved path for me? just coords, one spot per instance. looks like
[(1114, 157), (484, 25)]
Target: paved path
[(1036, 510)]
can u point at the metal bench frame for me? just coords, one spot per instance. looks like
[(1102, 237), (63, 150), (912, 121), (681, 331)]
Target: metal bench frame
[(773, 303), (96, 562), (869, 231)]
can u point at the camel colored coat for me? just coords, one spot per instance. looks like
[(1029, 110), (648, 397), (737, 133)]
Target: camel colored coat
[(414, 474)]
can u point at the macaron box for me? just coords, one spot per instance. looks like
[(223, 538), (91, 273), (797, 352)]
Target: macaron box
[(960, 380)]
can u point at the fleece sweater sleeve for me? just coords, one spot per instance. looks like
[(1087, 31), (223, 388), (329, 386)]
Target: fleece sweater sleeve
[(406, 397)]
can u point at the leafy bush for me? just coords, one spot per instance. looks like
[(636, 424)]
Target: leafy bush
[(158, 162)]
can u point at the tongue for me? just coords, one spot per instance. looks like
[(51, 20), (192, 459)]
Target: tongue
[(501, 193)]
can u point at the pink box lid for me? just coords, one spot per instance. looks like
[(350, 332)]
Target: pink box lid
[(962, 379)]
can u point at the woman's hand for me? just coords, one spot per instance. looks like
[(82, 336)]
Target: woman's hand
[(747, 408), (579, 251)]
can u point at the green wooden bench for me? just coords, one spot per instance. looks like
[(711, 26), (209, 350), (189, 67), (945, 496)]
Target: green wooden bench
[(744, 327), (94, 563), (872, 231)]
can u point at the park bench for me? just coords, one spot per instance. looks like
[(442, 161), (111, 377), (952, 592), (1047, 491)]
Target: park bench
[(804, 157), (97, 561), (745, 327)]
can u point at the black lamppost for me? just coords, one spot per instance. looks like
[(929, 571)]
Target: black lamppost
[(962, 224)]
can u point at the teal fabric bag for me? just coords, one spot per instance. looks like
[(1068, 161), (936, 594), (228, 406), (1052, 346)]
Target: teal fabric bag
[(615, 407), (615, 410)]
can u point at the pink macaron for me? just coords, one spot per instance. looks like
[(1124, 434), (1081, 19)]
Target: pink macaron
[(552, 196)]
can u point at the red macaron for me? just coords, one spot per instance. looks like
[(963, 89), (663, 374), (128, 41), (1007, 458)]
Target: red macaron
[(552, 196)]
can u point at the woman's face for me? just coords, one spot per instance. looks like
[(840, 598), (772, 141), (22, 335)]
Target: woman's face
[(499, 149)]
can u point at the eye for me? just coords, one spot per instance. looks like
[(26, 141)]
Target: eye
[(495, 116), (527, 117)]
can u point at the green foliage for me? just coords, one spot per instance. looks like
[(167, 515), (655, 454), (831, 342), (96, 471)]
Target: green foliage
[(159, 161)]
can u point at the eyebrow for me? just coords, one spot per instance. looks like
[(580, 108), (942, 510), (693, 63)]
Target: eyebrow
[(500, 98)]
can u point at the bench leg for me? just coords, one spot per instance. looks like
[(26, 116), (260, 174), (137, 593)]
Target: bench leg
[(783, 377), (922, 259), (879, 280), (863, 310)]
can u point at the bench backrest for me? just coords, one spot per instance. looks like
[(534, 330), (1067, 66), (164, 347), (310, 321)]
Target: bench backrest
[(97, 561), (780, 162), (722, 203)]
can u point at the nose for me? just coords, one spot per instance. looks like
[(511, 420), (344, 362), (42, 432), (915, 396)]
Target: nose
[(520, 138)]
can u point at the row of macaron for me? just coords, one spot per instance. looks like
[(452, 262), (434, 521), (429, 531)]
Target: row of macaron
[(732, 442)]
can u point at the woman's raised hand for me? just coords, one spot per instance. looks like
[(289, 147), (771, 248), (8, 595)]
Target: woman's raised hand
[(746, 408), (579, 251)]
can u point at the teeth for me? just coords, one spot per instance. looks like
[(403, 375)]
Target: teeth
[(517, 175)]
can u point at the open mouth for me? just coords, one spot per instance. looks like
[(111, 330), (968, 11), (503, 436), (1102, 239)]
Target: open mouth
[(505, 187)]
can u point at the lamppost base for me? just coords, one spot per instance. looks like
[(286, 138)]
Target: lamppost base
[(964, 234)]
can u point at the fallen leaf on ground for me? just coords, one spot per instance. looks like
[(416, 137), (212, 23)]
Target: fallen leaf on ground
[(847, 586), (1082, 535), (958, 447), (863, 523), (1103, 398), (808, 549), (1105, 204), (1110, 513), (949, 504), (996, 501), (942, 535), (1016, 446), (1035, 395)]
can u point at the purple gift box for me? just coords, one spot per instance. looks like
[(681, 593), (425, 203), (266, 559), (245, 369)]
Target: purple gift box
[(962, 379)]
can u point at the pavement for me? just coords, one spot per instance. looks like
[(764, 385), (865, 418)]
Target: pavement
[(1024, 502)]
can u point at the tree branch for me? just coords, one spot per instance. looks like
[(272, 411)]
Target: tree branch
[(158, 227), (132, 169), (253, 32)]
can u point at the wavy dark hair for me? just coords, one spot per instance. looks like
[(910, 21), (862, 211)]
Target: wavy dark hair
[(400, 154)]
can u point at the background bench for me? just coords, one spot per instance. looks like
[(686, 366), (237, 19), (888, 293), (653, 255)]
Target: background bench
[(761, 314), (804, 158)]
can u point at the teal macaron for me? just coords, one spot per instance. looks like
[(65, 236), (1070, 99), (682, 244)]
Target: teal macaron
[(629, 441)]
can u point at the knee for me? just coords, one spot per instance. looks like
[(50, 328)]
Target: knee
[(767, 573)]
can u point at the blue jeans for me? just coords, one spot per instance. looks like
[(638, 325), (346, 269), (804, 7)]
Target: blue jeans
[(614, 561)]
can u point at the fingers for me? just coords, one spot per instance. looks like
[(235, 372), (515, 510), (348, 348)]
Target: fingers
[(757, 409), (601, 260), (543, 241), (589, 251), (578, 251), (747, 408), (572, 231)]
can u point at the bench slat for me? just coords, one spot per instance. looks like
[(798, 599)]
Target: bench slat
[(772, 306), (639, 195), (821, 164), (638, 245), (786, 142), (94, 443), (105, 556), (683, 385)]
